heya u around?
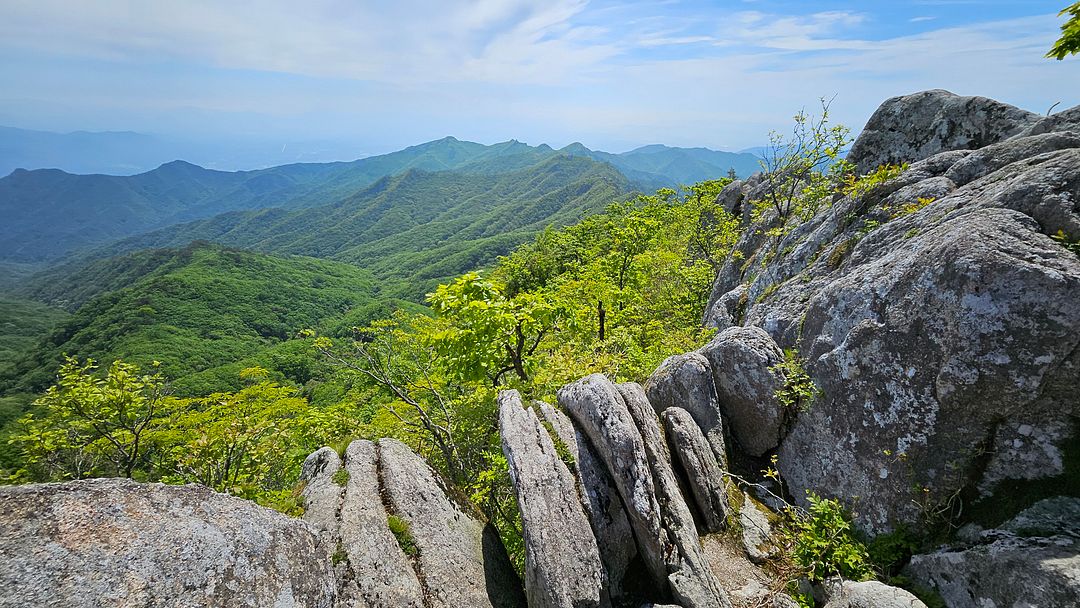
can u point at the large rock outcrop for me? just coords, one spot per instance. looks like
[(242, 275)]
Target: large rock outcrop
[(459, 558), (440, 552), (562, 560), (1032, 560), (935, 312), (115, 542), (914, 127), (602, 503), (345, 501)]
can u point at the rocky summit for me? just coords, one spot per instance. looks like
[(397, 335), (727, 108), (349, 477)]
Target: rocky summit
[(912, 351)]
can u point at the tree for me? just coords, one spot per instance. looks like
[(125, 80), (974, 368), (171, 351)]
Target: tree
[(489, 335), (802, 169), (89, 420), (1069, 43), (245, 443)]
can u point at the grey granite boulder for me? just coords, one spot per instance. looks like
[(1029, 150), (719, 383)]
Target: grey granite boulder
[(1031, 560), (686, 381), (741, 359), (914, 127), (836, 593), (116, 542), (943, 333), (460, 558), (322, 495), (698, 463), (690, 577), (621, 424), (562, 560), (610, 525), (377, 569)]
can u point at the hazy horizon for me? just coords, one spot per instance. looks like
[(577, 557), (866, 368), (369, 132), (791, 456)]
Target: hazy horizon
[(376, 77)]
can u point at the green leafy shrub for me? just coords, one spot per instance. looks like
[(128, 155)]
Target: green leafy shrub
[(341, 477), (402, 531), (823, 543), (339, 555), (1064, 240), (799, 390)]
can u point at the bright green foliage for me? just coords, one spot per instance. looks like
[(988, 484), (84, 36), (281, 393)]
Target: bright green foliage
[(341, 478), (91, 426), (803, 171), (858, 186), (194, 309), (1066, 242), (22, 323), (402, 531), (798, 391), (823, 543), (1069, 43), (490, 334), (247, 443)]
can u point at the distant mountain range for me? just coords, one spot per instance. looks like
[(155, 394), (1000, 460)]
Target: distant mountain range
[(128, 153), (49, 213)]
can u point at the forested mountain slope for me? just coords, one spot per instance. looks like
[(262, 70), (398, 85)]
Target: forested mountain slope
[(417, 225), (50, 213), (192, 309)]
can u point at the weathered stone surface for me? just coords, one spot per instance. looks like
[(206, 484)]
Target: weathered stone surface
[(730, 199), (623, 427), (741, 358), (599, 411), (378, 571), (1048, 517), (692, 581), (1031, 560), (686, 381), (728, 309), (1011, 571), (914, 127), (943, 338), (562, 560), (1065, 120), (704, 475), (115, 542), (610, 525), (836, 593), (322, 496), (461, 560), (991, 158), (757, 533)]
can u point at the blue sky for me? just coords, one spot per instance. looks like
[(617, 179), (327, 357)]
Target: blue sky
[(612, 75)]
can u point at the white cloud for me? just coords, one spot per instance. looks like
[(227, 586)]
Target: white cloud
[(554, 70)]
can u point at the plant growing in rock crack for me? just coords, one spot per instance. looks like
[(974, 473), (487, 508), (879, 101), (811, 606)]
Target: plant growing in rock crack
[(803, 171), (798, 390), (341, 477), (823, 543), (402, 531)]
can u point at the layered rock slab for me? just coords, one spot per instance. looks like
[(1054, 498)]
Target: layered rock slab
[(623, 427), (562, 560), (460, 558), (120, 543), (703, 473), (600, 497)]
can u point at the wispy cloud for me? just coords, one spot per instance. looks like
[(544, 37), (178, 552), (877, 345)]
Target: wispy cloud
[(680, 72)]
